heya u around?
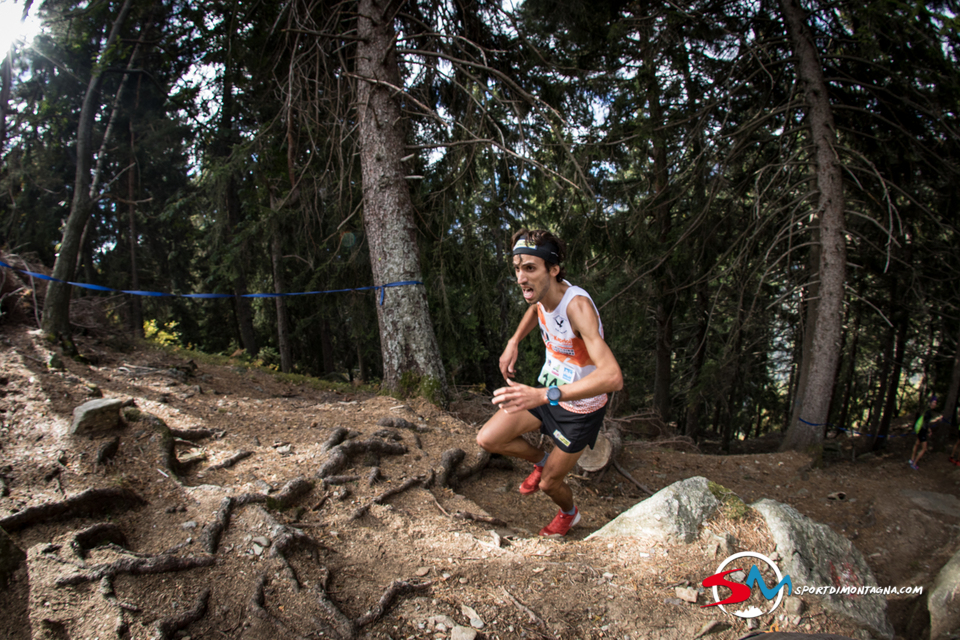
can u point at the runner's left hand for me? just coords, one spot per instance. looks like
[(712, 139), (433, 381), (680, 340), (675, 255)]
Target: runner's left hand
[(519, 397)]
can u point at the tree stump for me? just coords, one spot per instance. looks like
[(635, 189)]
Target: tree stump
[(595, 460)]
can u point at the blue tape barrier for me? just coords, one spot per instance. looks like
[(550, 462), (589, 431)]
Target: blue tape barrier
[(208, 296), (854, 431)]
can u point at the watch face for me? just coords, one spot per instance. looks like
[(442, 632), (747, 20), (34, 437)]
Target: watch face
[(553, 394)]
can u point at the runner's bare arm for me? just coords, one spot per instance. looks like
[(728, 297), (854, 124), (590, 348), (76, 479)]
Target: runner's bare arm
[(508, 360)]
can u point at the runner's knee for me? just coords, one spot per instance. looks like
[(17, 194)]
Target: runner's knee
[(486, 442)]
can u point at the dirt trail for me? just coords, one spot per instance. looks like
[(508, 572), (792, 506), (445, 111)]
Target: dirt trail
[(360, 561)]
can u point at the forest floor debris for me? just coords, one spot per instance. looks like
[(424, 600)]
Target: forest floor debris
[(364, 522)]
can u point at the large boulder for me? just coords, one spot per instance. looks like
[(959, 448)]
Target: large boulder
[(813, 555), (943, 601), (674, 513), (96, 416)]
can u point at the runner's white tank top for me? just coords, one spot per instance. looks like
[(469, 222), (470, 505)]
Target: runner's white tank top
[(567, 358)]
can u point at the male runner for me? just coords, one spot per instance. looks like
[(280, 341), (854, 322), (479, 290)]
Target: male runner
[(579, 372)]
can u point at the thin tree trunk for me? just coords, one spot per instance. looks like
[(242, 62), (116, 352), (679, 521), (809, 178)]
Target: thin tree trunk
[(890, 406), (6, 80), (695, 398), (283, 319), (56, 307), (136, 308), (407, 338), (806, 429), (950, 406)]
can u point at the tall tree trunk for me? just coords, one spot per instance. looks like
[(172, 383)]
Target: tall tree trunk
[(806, 429), (56, 306), (950, 405), (283, 319), (407, 339)]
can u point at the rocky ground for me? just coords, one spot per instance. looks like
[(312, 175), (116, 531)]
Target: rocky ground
[(395, 541)]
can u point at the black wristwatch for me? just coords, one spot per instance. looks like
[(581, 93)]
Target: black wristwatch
[(553, 395)]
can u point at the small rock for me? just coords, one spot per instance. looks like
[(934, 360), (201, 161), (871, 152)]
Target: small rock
[(257, 549), (285, 450), (441, 621), (191, 524), (422, 571), (96, 416), (687, 594), (793, 606), (262, 541), (463, 633), (471, 615)]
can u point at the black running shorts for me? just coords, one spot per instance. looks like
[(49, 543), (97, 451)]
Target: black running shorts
[(923, 434), (571, 432)]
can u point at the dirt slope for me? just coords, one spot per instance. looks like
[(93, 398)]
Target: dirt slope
[(318, 564)]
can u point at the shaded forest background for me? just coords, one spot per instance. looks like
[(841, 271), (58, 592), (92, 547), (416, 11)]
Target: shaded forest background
[(217, 147)]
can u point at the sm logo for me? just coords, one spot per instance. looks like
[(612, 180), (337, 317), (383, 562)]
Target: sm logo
[(742, 592)]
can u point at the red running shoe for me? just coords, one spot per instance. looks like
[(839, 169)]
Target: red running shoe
[(532, 483), (561, 524)]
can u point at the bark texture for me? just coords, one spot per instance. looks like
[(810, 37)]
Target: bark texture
[(411, 356), (56, 307), (806, 428)]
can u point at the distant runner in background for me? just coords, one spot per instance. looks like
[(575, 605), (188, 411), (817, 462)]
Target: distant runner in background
[(570, 400), (922, 427)]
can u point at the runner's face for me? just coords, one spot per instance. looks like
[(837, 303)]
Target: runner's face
[(533, 277)]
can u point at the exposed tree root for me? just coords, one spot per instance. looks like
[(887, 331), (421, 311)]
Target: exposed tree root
[(534, 618), (168, 627), (481, 463), (83, 504), (96, 535), (380, 499), (290, 493), (387, 434), (343, 625), (374, 476), (229, 462), (286, 539), (122, 626), (396, 589), (197, 434), (339, 456), (465, 515), (136, 565), (339, 435), (400, 423), (108, 450), (625, 474), (340, 480), (453, 473), (348, 629), (449, 461), (209, 538)]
